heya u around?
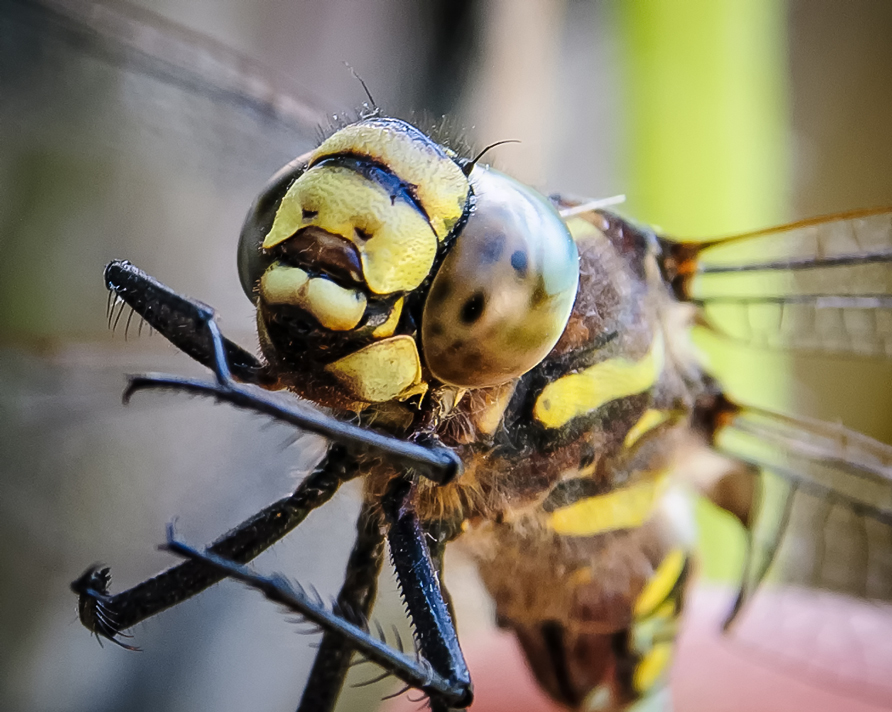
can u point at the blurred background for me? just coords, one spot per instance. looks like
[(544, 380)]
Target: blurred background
[(712, 116)]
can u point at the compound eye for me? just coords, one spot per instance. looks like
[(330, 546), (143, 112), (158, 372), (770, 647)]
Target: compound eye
[(503, 295), (252, 262)]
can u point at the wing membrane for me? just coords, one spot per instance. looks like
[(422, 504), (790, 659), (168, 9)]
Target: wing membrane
[(821, 285), (817, 587), (146, 43), (824, 515), (816, 593)]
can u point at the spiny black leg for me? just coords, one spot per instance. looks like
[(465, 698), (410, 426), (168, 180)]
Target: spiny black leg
[(414, 671), (438, 551), (354, 603), (181, 320), (191, 326), (438, 464), (107, 615), (440, 533), (434, 630)]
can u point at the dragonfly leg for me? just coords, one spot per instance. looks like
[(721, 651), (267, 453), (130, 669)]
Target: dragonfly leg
[(354, 602), (439, 464), (192, 327), (420, 585), (439, 669), (107, 615), (182, 321)]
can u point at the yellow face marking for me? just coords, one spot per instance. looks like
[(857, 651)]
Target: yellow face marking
[(281, 284), (647, 422), (382, 371), (439, 184), (625, 508), (582, 393), (396, 245), (335, 307), (389, 326), (652, 668), (660, 585)]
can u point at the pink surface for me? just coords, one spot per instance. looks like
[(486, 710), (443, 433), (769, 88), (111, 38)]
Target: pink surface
[(799, 650), (815, 653)]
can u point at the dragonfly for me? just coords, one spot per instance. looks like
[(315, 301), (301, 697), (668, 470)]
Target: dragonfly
[(822, 470)]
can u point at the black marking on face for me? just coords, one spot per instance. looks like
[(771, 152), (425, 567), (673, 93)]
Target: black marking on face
[(377, 173), (472, 309), (519, 262), (309, 214), (362, 235)]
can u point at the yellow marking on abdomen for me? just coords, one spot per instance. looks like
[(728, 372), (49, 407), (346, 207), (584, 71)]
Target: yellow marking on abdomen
[(660, 585), (652, 667), (578, 394), (625, 508)]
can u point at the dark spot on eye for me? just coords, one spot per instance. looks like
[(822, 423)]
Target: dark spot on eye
[(362, 234), (472, 309), (457, 345), (519, 262), (309, 214), (492, 248), (441, 290)]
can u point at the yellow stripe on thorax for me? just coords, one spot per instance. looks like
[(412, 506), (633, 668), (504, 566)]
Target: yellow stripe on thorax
[(578, 394), (625, 508)]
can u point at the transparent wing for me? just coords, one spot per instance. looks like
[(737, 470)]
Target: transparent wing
[(817, 587), (822, 285), (816, 595)]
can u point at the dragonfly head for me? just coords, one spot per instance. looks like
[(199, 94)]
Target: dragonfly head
[(386, 264)]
